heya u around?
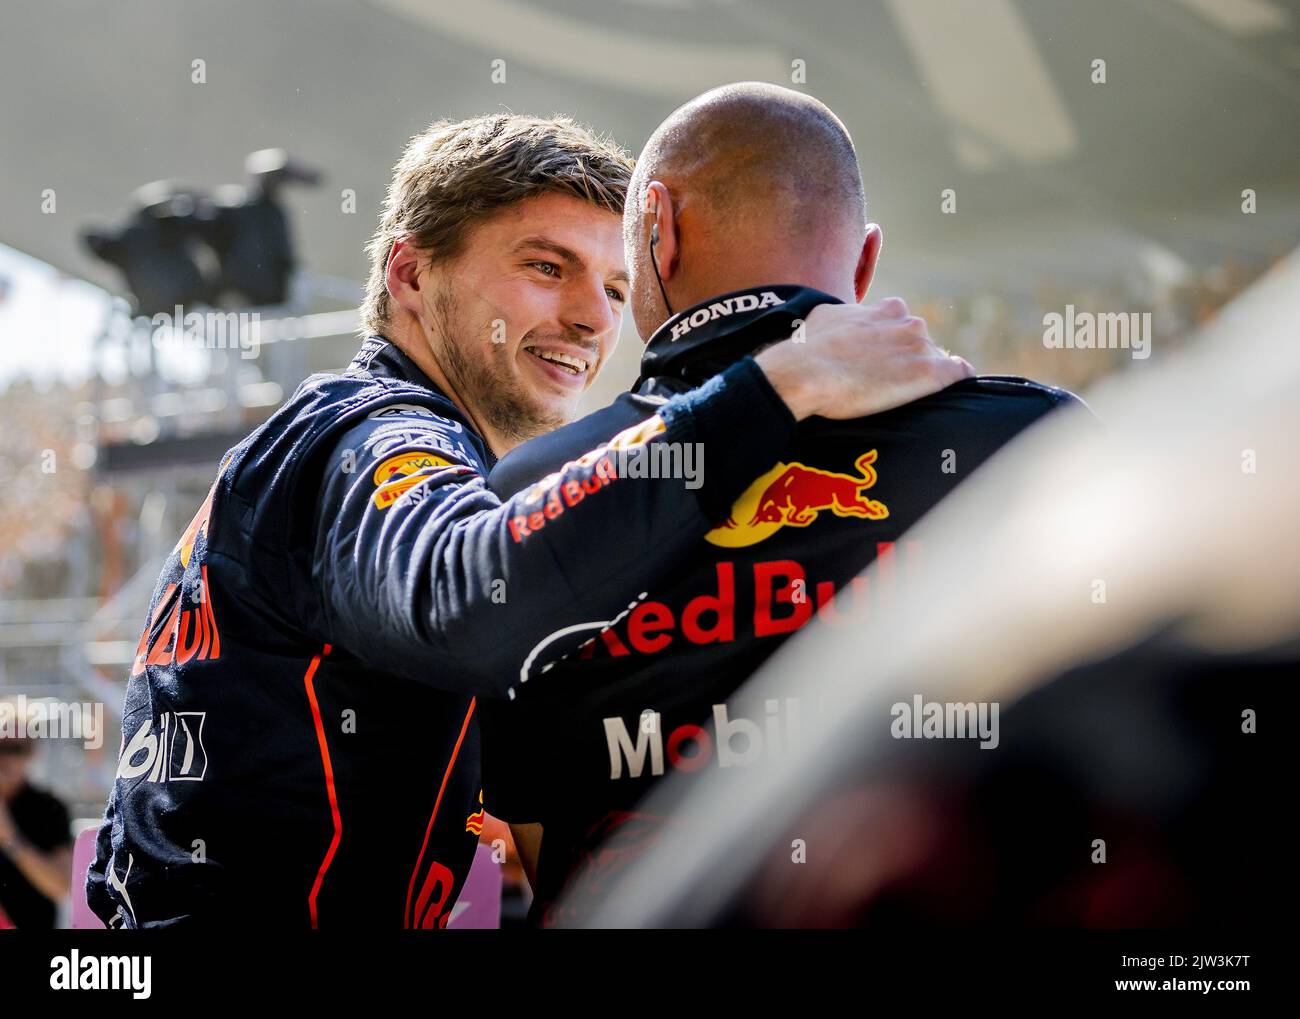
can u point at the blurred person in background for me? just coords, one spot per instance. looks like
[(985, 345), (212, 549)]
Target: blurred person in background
[(35, 843)]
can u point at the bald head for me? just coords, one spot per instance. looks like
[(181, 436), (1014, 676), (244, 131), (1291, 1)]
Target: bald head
[(762, 152), (764, 187)]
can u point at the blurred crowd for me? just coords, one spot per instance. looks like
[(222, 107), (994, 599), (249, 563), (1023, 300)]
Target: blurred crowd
[(62, 531), (1000, 335)]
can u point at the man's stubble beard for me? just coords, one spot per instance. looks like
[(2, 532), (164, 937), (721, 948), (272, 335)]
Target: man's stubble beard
[(490, 388)]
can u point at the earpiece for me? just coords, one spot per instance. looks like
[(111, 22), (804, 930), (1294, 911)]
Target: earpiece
[(652, 207)]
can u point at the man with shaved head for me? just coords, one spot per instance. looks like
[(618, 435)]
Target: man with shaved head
[(763, 183), (745, 213)]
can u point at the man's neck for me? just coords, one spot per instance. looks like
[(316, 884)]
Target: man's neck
[(409, 338)]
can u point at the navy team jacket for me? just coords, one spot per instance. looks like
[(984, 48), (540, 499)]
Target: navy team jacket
[(300, 743)]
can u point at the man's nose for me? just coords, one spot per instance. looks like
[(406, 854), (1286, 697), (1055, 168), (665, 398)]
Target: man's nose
[(588, 310)]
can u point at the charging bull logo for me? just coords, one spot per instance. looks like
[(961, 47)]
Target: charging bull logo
[(793, 495)]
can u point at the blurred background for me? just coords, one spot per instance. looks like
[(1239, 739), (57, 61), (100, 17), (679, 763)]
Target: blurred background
[(1120, 156)]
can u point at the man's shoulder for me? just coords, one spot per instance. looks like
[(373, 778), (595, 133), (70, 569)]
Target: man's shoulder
[(394, 413), (1015, 387), (987, 399), (329, 411), (270, 483), (330, 404), (973, 418)]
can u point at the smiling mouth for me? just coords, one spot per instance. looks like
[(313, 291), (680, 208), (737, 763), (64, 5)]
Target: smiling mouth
[(565, 362)]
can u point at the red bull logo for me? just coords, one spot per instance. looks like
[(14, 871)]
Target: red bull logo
[(188, 632), (794, 495)]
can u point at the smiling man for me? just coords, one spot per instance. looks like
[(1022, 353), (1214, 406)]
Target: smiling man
[(543, 283), (300, 742)]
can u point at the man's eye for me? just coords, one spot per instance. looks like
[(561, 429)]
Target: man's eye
[(615, 295), (550, 268)]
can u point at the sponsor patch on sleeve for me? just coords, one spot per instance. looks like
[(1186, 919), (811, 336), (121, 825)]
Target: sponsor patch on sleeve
[(406, 434), (398, 474)]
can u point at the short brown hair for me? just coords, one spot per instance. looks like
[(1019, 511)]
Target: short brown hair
[(457, 173)]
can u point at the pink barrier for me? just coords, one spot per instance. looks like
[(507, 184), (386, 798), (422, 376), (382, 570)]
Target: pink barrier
[(479, 905), (83, 855)]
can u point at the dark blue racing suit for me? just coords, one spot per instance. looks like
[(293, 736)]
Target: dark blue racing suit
[(300, 740)]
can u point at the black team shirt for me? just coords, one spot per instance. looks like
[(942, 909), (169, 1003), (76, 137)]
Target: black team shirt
[(647, 695)]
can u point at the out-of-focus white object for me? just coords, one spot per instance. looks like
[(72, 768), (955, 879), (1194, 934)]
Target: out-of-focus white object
[(1182, 496)]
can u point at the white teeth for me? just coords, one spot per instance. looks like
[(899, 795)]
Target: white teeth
[(571, 364)]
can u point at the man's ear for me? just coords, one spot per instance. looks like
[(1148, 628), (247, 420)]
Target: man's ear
[(867, 262), (661, 226), (402, 277)]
